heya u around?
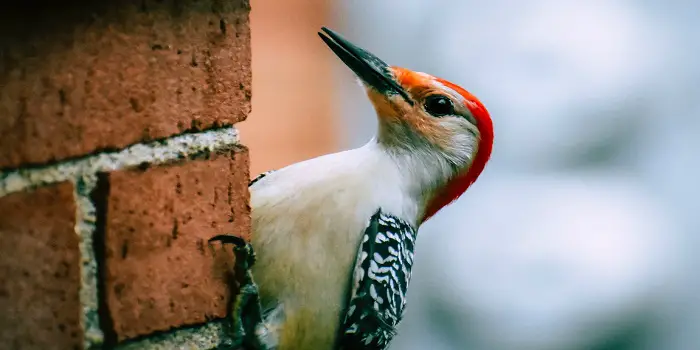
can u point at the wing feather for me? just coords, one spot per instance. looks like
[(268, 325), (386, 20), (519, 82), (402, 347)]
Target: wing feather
[(260, 177), (381, 275)]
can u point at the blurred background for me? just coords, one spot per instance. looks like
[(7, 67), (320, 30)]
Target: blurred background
[(581, 232)]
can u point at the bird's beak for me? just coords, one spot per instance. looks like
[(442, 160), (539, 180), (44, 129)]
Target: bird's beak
[(373, 71)]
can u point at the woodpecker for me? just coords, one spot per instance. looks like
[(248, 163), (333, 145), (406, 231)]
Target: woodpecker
[(334, 236)]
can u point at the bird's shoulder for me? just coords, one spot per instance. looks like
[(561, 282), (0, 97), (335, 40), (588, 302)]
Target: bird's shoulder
[(380, 279), (350, 168), (260, 177)]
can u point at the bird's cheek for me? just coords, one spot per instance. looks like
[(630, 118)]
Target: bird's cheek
[(456, 134)]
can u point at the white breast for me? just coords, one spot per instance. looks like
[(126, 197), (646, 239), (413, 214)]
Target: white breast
[(308, 220), (357, 181)]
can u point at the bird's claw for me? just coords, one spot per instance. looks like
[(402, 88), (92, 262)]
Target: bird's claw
[(245, 313), (226, 238), (245, 255)]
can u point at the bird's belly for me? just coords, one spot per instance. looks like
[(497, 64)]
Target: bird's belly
[(308, 273)]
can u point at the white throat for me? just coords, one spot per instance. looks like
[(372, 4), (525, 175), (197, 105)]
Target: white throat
[(420, 172)]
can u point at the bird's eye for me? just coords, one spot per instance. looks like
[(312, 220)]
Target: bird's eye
[(438, 105)]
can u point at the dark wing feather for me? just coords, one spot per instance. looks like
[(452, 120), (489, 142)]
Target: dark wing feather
[(259, 177), (381, 275)]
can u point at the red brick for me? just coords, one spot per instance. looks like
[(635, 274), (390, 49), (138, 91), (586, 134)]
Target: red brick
[(39, 270), (160, 271), (77, 76)]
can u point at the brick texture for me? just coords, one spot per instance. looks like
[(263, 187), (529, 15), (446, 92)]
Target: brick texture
[(80, 76), (39, 270), (160, 272)]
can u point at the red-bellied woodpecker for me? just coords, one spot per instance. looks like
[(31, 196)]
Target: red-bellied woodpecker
[(334, 235)]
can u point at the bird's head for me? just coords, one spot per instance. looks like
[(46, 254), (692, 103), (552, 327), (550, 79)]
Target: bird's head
[(426, 117)]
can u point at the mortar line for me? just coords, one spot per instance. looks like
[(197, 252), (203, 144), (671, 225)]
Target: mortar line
[(85, 228), (151, 153), (205, 336)]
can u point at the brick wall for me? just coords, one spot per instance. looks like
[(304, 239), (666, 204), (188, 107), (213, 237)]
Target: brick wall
[(119, 158)]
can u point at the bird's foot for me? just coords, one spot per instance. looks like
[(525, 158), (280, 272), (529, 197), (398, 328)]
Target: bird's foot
[(245, 315)]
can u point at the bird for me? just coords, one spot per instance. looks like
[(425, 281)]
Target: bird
[(333, 237)]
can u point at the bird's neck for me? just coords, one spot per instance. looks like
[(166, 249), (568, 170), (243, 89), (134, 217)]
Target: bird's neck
[(421, 173)]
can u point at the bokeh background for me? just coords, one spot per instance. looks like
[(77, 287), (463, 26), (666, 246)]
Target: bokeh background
[(581, 233)]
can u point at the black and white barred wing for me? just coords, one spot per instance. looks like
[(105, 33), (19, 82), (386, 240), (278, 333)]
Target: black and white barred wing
[(381, 276)]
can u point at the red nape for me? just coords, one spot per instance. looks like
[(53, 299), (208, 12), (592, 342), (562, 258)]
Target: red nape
[(456, 187)]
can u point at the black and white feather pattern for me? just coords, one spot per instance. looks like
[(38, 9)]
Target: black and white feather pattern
[(380, 279)]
